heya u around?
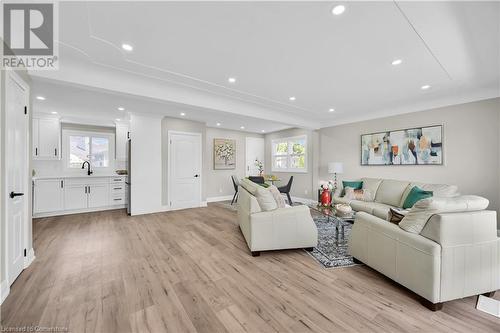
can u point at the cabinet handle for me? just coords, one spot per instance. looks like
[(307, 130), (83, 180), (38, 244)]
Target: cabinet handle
[(89, 189), (117, 199), (55, 151), (85, 189), (36, 151), (117, 188), (62, 186)]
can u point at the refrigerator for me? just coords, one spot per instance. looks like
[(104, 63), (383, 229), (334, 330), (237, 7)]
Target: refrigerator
[(129, 173)]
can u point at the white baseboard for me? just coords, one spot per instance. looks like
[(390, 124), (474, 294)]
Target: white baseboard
[(30, 256), (304, 200), (77, 211), (203, 204), (221, 198), (4, 290)]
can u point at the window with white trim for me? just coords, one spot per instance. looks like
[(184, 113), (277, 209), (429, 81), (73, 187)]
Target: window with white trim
[(81, 146), (290, 154)]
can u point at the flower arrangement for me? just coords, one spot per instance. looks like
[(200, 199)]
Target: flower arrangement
[(329, 186), (260, 166)]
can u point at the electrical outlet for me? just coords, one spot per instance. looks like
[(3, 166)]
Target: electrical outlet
[(306, 192), (220, 190)]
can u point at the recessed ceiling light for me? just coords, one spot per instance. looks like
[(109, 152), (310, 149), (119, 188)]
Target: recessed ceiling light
[(121, 108), (127, 47), (337, 10), (292, 98), (40, 98), (231, 80), (117, 119), (183, 114), (242, 127), (54, 112), (425, 87), (396, 62), (331, 110), (218, 124), (263, 131)]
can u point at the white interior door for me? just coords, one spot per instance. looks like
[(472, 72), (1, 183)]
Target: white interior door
[(254, 150), (16, 168), (184, 181)]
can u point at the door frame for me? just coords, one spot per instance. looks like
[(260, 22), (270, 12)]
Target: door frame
[(30, 255), (169, 168)]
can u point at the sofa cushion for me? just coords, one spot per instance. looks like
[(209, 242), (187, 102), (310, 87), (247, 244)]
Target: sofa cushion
[(265, 199), (416, 194), (371, 184), (370, 207), (390, 192), (341, 200), (280, 201), (438, 190), (250, 186), (422, 211), (361, 194)]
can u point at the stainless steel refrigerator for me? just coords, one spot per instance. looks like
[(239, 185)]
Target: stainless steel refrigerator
[(129, 172)]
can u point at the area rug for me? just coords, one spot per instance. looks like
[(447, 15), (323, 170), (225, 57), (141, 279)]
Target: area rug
[(331, 253)]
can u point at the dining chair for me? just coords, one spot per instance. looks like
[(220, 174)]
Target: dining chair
[(286, 190), (257, 179), (236, 182)]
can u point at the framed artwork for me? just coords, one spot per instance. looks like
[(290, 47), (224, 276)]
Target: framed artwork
[(224, 154), (413, 146)]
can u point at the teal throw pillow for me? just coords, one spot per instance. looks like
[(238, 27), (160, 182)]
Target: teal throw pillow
[(416, 194)]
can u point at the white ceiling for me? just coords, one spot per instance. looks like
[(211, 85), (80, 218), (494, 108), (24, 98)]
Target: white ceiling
[(185, 51)]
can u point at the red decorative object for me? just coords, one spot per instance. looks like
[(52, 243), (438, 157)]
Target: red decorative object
[(325, 197)]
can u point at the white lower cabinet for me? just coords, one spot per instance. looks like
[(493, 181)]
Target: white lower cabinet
[(48, 195), (77, 194), (75, 197), (98, 195)]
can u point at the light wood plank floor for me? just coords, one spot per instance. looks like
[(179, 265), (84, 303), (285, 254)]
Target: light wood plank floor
[(191, 271)]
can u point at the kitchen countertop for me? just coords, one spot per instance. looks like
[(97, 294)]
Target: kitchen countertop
[(80, 176)]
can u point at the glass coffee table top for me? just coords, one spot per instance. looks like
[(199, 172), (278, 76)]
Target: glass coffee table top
[(333, 216)]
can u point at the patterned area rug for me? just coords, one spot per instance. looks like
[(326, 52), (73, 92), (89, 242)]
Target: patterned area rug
[(330, 252)]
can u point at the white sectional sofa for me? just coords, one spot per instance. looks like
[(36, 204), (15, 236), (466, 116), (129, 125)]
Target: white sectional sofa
[(449, 256), (278, 229)]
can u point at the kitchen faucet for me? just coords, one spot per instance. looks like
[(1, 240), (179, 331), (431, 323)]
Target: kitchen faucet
[(89, 172)]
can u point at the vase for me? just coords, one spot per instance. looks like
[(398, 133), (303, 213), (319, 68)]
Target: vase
[(325, 198)]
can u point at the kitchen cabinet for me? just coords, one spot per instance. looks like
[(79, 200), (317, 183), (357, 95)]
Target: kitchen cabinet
[(46, 138), (75, 197), (121, 138), (98, 195), (48, 195)]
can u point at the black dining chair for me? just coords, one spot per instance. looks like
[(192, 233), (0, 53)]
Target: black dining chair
[(257, 179), (236, 182), (286, 190)]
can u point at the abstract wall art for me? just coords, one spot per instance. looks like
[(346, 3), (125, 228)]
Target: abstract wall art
[(414, 146), (224, 154)]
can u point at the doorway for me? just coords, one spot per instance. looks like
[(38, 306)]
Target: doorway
[(254, 151), (184, 170), (16, 175)]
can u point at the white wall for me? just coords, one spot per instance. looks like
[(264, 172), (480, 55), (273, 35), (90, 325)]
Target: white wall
[(146, 164), (219, 183), (471, 154)]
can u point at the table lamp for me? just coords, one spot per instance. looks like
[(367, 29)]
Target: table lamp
[(335, 168)]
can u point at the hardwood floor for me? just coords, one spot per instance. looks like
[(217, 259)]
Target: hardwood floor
[(191, 271)]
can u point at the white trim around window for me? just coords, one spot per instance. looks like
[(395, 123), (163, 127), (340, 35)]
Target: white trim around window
[(67, 133), (289, 160)]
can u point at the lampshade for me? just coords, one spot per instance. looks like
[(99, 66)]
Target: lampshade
[(335, 167)]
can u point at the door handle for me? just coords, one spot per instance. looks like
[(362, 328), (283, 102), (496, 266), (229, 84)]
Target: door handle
[(12, 195), (196, 176)]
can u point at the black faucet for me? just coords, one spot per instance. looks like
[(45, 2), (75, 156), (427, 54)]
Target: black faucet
[(89, 172)]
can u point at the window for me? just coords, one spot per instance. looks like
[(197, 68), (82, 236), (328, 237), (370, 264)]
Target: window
[(84, 148), (81, 146), (290, 154)]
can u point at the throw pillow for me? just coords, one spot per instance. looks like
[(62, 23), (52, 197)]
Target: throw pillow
[(357, 185), (416, 194), (280, 201), (357, 194), (395, 216), (265, 199)]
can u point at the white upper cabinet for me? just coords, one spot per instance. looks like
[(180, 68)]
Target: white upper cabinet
[(121, 142), (46, 138)]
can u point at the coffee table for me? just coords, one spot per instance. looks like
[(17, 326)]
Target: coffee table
[(331, 214)]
